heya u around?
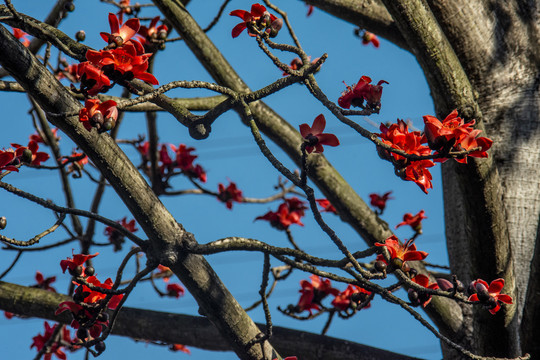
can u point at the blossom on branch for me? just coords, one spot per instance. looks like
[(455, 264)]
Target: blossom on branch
[(40, 341), (351, 297), (258, 19), (120, 35), (175, 290), (229, 194), (313, 293), (421, 298), (490, 295), (116, 237), (99, 115), (369, 37), (326, 206), (379, 201), (314, 136), (44, 283), (288, 213), (75, 265), (362, 91), (402, 252), (29, 154), (414, 221), (179, 347)]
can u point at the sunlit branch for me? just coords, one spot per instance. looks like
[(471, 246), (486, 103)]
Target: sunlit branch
[(36, 238)]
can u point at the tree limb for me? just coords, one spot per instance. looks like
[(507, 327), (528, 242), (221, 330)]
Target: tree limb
[(188, 330)]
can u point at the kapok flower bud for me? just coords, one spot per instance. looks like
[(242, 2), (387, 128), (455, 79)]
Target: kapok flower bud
[(100, 347), (444, 284), (3, 222), (26, 156), (80, 35), (162, 35), (275, 27), (413, 297), (97, 120)]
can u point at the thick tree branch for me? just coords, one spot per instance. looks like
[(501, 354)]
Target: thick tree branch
[(480, 191), (188, 330), (167, 237)]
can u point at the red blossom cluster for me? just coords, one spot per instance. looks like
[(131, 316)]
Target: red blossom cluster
[(122, 60), (183, 161), (229, 194), (314, 136), (421, 298), (116, 237), (363, 94), (89, 305), (399, 252), (445, 137), (289, 212), (256, 20), (314, 292), (454, 135)]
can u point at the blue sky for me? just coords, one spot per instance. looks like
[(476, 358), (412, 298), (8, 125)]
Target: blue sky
[(230, 153)]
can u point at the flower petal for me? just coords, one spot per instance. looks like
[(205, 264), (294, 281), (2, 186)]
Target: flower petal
[(318, 125)]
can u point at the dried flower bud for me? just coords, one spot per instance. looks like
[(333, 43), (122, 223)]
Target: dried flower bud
[(3, 222), (380, 266), (413, 297), (444, 284)]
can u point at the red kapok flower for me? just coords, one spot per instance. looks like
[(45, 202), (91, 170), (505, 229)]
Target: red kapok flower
[(152, 33), (93, 79), (400, 251), (7, 158), (417, 171), (351, 295), (326, 206), (120, 35), (288, 213), (116, 237), (95, 295), (421, 298), (296, 64), (179, 347), (39, 139), (315, 139), (310, 10), (175, 290), (490, 294), (471, 141), (32, 156), (75, 166), (40, 341), (164, 272), (314, 292), (379, 201), (258, 18), (123, 64), (369, 37), (101, 115), (415, 222), (44, 283), (363, 90), (78, 260), (229, 194), (22, 36), (451, 130)]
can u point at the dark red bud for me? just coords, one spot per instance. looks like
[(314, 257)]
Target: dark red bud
[(405, 267), (483, 295), (97, 120), (492, 303), (413, 272), (77, 271)]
